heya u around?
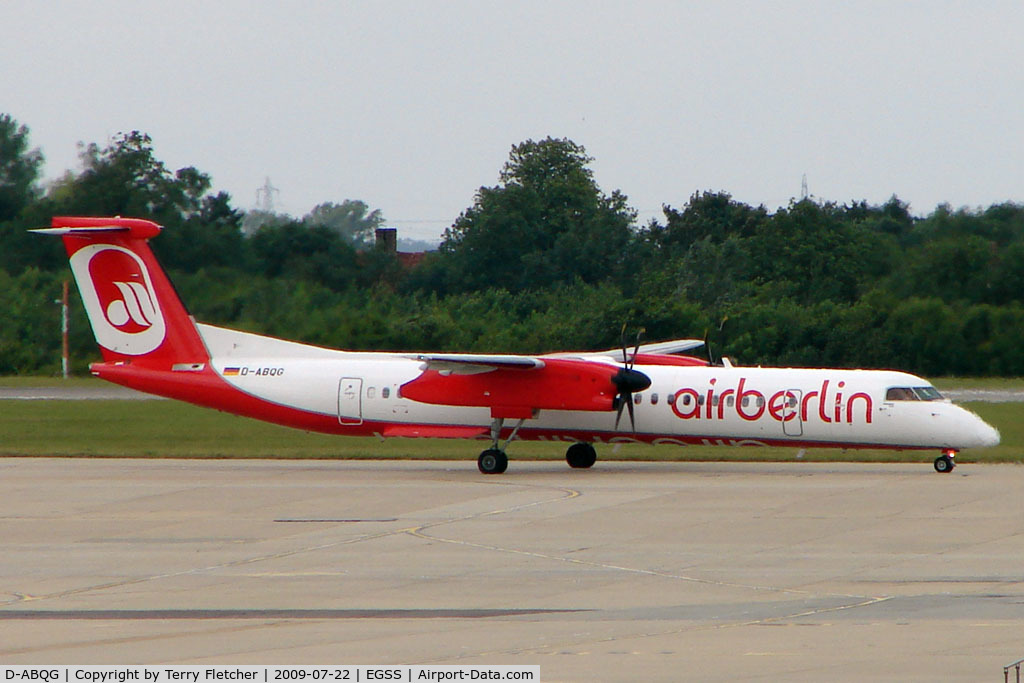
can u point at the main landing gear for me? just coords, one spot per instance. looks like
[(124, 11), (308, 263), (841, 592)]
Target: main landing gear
[(492, 461), (495, 461), (945, 463), (580, 456)]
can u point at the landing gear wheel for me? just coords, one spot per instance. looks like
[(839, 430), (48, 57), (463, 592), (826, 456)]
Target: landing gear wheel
[(581, 456), (492, 461), (944, 464)]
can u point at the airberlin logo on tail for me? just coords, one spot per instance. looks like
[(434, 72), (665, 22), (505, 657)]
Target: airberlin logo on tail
[(119, 298), (135, 305)]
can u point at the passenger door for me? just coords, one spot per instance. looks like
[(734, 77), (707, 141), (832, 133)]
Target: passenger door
[(350, 401), (792, 425)]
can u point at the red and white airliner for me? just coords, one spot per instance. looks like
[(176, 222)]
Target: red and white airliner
[(150, 342)]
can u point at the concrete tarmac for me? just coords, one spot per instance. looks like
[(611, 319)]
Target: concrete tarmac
[(628, 571)]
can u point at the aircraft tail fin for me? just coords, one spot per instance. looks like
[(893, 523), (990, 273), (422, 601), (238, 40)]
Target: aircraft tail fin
[(135, 313)]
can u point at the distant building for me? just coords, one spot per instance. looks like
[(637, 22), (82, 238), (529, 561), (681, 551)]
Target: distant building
[(387, 240)]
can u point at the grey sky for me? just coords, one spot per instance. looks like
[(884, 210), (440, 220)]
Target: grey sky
[(412, 106)]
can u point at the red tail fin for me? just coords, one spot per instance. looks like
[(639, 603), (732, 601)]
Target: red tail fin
[(135, 313)]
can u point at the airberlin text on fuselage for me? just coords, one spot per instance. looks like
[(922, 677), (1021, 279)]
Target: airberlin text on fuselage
[(826, 404)]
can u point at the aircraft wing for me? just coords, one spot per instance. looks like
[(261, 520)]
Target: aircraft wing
[(472, 364), (657, 348), (674, 346)]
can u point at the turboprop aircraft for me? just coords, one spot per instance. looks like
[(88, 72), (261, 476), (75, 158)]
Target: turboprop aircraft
[(150, 343)]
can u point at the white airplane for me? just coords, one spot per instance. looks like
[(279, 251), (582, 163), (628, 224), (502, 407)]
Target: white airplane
[(149, 342)]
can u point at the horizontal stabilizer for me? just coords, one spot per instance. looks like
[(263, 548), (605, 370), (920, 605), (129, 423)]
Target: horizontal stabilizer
[(81, 231), (84, 226)]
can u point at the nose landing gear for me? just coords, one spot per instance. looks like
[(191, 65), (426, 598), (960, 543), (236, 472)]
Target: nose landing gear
[(945, 463)]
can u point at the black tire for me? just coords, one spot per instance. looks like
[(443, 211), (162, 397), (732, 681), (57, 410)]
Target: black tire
[(944, 464), (580, 456), (492, 461)]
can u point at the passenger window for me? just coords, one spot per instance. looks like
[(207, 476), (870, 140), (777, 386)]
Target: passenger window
[(638, 399), (385, 392), (730, 401), (654, 399), (371, 392)]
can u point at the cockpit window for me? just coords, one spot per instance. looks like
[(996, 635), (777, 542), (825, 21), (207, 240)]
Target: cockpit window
[(913, 394), (900, 394), (928, 393)]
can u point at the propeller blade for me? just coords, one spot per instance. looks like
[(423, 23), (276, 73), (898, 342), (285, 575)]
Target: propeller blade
[(628, 381), (622, 338), (636, 349), (632, 416)]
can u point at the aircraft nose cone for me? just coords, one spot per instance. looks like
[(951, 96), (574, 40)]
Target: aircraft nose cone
[(987, 434), (970, 431)]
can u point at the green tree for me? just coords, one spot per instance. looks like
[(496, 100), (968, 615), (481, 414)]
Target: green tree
[(810, 253), (294, 251), (715, 274), (712, 216), (207, 235), (926, 336), (19, 168), (352, 220), (255, 219), (953, 268), (546, 222), (125, 178)]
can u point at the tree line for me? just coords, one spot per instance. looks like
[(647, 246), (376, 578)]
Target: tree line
[(544, 260)]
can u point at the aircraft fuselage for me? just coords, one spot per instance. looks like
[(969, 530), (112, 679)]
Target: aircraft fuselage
[(360, 393)]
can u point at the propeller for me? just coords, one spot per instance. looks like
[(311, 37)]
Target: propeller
[(707, 344), (627, 381)]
